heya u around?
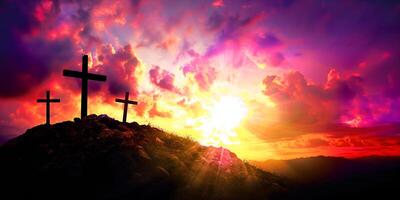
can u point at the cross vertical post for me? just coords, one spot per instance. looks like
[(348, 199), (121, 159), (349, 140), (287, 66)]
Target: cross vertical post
[(125, 107), (47, 107), (84, 87)]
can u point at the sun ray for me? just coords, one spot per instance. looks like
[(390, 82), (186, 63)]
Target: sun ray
[(218, 128)]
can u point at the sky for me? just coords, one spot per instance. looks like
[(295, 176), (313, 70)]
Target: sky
[(275, 79)]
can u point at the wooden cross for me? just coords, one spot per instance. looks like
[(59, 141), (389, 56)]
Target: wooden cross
[(126, 101), (48, 101), (85, 76)]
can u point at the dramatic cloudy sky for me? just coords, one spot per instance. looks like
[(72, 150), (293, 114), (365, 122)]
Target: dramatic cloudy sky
[(313, 77)]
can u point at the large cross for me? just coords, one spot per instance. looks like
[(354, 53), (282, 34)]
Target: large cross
[(48, 101), (126, 101), (85, 76)]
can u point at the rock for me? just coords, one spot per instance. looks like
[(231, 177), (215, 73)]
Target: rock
[(106, 132), (143, 154), (50, 151), (159, 141), (90, 117), (133, 125), (127, 134), (162, 171), (175, 159), (137, 175), (77, 120), (102, 116)]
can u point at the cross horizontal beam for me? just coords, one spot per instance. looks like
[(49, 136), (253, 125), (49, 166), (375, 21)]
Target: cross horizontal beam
[(126, 101), (50, 100), (89, 76)]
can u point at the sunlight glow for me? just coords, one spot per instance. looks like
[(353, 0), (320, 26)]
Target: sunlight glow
[(224, 116)]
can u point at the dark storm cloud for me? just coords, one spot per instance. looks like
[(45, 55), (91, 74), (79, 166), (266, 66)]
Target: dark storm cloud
[(268, 40), (26, 58), (215, 21)]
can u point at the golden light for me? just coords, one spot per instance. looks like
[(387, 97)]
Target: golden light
[(224, 116), (228, 112)]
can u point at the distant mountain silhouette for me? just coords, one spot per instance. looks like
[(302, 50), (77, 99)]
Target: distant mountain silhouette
[(101, 158), (322, 177)]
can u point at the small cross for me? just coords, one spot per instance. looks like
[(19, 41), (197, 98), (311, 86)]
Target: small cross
[(48, 101), (85, 76), (126, 101)]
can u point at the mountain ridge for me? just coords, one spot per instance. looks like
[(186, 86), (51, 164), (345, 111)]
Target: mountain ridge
[(324, 177)]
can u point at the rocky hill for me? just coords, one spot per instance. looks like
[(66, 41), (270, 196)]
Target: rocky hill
[(101, 158)]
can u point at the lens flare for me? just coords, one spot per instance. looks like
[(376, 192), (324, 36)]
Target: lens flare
[(224, 116)]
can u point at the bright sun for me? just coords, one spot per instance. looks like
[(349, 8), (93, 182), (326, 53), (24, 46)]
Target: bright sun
[(224, 116)]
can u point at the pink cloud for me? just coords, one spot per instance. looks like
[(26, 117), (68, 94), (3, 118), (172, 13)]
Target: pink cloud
[(120, 67), (155, 112), (204, 74), (163, 79), (218, 3), (331, 108)]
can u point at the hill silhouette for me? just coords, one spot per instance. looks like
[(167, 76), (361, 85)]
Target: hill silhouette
[(101, 158), (374, 177)]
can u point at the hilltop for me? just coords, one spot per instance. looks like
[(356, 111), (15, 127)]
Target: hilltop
[(101, 158)]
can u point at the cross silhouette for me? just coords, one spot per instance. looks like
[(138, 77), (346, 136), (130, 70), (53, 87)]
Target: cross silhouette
[(48, 101), (126, 101), (85, 76)]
